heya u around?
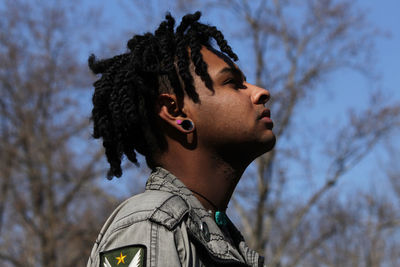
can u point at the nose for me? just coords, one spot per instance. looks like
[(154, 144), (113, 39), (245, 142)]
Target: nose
[(259, 95)]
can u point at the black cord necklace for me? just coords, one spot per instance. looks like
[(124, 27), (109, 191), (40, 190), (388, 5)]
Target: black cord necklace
[(220, 217)]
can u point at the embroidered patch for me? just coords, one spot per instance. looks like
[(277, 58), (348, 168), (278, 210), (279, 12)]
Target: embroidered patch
[(129, 256)]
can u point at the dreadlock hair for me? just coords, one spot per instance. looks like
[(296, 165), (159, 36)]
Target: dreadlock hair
[(125, 95)]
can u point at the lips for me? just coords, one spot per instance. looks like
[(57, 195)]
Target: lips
[(265, 116), (266, 113)]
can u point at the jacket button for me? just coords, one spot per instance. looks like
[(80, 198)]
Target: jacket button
[(205, 232)]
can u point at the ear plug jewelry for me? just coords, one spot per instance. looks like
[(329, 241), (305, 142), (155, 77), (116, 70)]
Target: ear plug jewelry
[(186, 125)]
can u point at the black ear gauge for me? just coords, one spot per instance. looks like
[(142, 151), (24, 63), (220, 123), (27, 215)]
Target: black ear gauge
[(186, 125)]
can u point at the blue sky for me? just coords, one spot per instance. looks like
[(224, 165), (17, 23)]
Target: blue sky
[(386, 15)]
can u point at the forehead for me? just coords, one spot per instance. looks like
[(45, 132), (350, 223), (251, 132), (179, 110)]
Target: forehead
[(216, 61)]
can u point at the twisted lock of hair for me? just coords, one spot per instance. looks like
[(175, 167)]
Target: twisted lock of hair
[(125, 94)]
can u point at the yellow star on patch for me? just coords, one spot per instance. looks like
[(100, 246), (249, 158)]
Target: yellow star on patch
[(120, 258)]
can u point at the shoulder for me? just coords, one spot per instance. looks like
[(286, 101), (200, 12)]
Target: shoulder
[(138, 219), (160, 207), (163, 208)]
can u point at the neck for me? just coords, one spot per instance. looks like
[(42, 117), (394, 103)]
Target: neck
[(210, 178)]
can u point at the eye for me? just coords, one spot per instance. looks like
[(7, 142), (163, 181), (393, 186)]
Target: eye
[(237, 84), (229, 81)]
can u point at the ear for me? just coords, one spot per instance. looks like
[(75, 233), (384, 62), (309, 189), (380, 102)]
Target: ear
[(170, 112)]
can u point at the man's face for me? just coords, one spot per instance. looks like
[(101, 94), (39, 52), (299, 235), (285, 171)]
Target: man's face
[(232, 120)]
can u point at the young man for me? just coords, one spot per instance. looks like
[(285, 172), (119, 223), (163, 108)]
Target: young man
[(190, 111)]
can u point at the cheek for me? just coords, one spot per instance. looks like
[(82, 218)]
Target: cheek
[(238, 111), (227, 118), (222, 110)]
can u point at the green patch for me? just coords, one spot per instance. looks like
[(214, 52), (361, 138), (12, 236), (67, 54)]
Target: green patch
[(129, 256)]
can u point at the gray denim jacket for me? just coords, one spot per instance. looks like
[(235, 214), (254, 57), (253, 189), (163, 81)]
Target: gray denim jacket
[(167, 226)]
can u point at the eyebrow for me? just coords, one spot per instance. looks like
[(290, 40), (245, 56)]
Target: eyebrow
[(233, 71)]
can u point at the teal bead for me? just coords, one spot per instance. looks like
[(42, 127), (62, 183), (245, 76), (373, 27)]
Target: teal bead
[(221, 218)]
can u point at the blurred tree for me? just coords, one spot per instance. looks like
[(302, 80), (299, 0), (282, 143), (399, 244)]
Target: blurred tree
[(291, 48), (47, 168)]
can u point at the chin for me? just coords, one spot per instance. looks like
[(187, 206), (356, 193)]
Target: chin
[(266, 145), (257, 149), (271, 143), (268, 142)]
